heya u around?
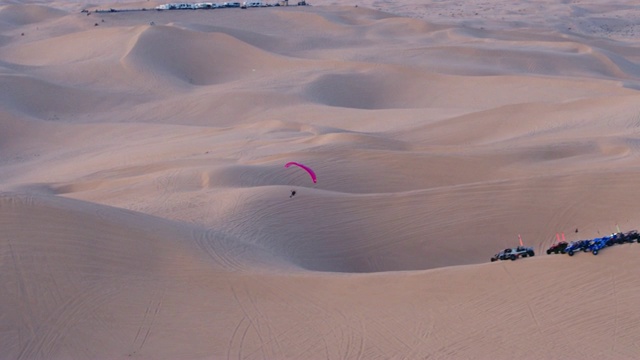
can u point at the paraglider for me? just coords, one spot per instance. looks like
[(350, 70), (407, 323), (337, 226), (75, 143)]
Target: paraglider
[(306, 168)]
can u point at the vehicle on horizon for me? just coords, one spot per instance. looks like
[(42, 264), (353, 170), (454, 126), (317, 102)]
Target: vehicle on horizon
[(558, 247), (248, 4), (206, 5)]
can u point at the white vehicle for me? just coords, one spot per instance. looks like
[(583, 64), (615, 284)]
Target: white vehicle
[(205, 6), (253, 4), (513, 253), (231, 4)]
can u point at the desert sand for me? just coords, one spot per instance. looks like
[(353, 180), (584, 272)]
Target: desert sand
[(145, 210)]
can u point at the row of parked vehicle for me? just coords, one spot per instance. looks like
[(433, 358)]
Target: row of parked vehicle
[(594, 245), (563, 247), (209, 5)]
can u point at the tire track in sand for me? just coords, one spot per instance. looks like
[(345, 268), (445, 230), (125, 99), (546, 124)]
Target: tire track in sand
[(529, 308), (47, 335), (148, 320), (251, 325)]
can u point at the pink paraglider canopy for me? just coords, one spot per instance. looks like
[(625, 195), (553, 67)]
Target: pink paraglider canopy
[(308, 169)]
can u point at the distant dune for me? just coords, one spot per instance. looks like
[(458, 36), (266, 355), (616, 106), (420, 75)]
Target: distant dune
[(145, 210)]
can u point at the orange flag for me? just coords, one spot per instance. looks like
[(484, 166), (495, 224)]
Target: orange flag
[(520, 238)]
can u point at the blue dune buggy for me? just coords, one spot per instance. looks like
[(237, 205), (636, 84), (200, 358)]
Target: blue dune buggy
[(597, 244), (575, 246)]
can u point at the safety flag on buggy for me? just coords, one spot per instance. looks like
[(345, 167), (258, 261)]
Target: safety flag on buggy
[(520, 238)]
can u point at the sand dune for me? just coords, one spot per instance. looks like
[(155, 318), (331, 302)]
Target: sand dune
[(145, 210), (214, 58), (18, 15), (87, 251)]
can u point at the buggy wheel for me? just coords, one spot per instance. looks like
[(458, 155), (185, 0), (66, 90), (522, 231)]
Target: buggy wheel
[(570, 252), (512, 257), (531, 253), (492, 259), (595, 252), (549, 252)]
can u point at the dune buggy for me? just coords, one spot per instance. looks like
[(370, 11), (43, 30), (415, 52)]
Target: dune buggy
[(513, 253), (558, 248), (575, 246)]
